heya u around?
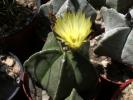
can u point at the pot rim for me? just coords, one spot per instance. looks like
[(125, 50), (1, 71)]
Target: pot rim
[(20, 79), (122, 87), (118, 83), (25, 86)]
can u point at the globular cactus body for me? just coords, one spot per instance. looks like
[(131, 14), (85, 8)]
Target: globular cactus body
[(59, 71)]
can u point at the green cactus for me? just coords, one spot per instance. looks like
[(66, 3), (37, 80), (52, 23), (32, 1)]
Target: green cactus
[(74, 96), (59, 70)]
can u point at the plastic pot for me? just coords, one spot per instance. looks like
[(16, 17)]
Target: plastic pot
[(107, 88), (110, 90), (121, 88), (31, 90), (9, 86), (25, 86)]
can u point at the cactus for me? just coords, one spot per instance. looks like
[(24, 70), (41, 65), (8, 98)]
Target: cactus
[(55, 8), (63, 63), (60, 71), (59, 7), (116, 42)]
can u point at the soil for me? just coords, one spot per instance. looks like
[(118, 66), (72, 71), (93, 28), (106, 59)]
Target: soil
[(10, 70), (17, 16)]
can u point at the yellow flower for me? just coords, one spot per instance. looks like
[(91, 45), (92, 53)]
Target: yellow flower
[(73, 28)]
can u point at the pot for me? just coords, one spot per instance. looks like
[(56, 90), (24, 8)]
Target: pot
[(107, 88), (121, 88), (32, 91), (10, 85), (110, 90), (25, 86)]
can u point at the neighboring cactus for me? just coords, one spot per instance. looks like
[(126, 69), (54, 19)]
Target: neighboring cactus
[(112, 19), (63, 63), (56, 8), (59, 7), (117, 40)]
